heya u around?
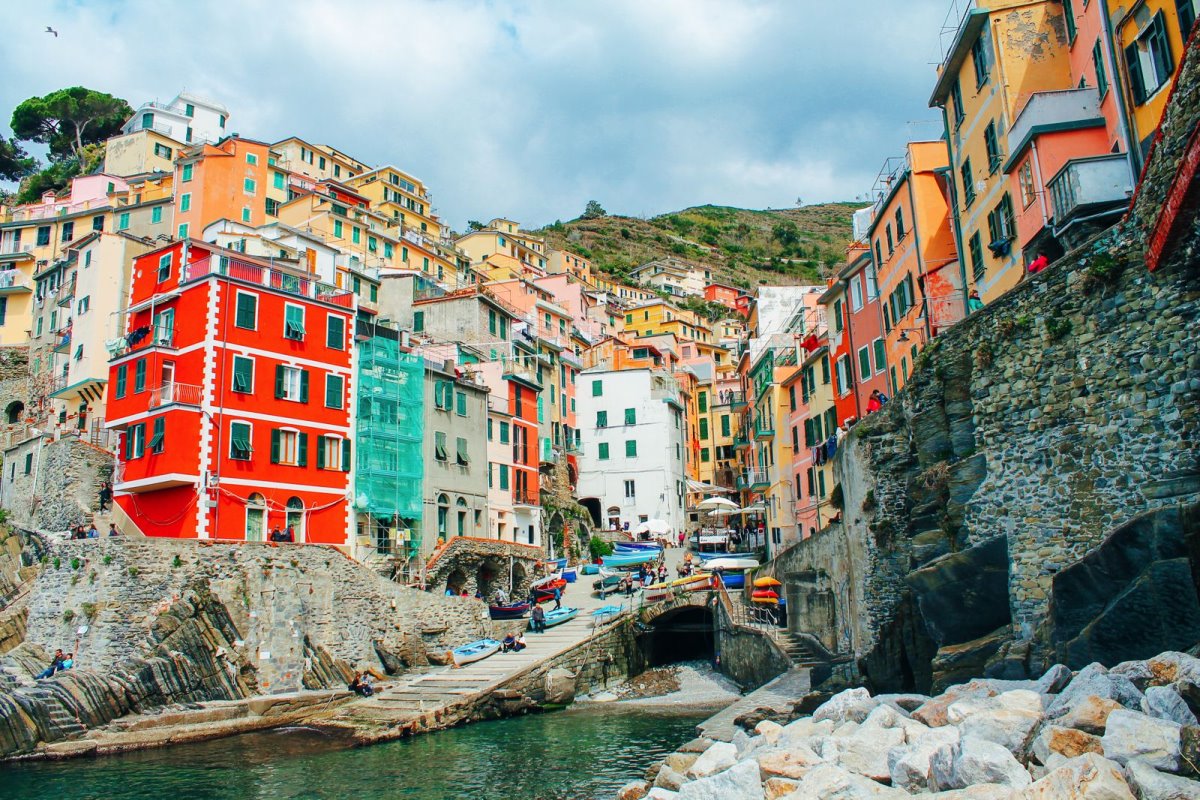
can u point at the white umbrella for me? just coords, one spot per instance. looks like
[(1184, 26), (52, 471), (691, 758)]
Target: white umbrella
[(716, 502), (725, 512), (754, 509), (655, 526)]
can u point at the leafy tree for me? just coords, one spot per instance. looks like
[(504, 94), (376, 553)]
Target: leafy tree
[(68, 119), (15, 163), (474, 225), (593, 210), (786, 233), (53, 178)]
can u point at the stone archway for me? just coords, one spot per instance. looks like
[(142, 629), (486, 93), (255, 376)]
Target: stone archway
[(520, 581), (13, 412), (491, 575), (592, 504), (456, 581)]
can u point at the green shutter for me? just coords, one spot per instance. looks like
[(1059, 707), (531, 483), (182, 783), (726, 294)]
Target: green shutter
[(320, 452), (460, 402), (335, 332), (601, 419), (630, 448), (278, 381), (247, 304), (274, 445), (243, 374), (333, 391), (139, 376), (597, 388), (303, 386), (302, 449), (122, 379), (724, 424), (345, 455), (703, 401), (504, 476), (158, 438), (604, 451), (703, 428), (631, 416)]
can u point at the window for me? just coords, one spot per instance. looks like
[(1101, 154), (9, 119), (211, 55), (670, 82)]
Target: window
[(187, 173), (155, 216), (98, 222), (463, 457), (43, 235), (243, 374), (162, 151), (979, 58), (333, 452), (976, 248), (900, 224), (239, 441), (864, 363), (631, 448), (68, 231), (968, 182), (597, 388), (838, 304), (164, 267), (294, 518), (185, 202), (992, 145), (335, 391), (856, 294), (293, 322), (147, 120), (1001, 224), (631, 416), (704, 456), (956, 97), (1187, 16), (439, 446), (460, 403), (122, 378), (335, 332), (251, 158), (135, 441), (504, 427), (880, 356), (272, 207), (291, 383), (277, 180), (246, 311), (337, 228), (139, 376), (703, 428), (1025, 178), (28, 463), (245, 214), (630, 490), (183, 231), (123, 221), (725, 425), (418, 321), (443, 395), (601, 419), (1098, 65), (84, 303), (248, 186), (355, 234), (289, 447), (1149, 60), (844, 377), (1069, 19)]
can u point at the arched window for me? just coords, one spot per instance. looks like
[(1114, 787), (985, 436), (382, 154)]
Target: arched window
[(462, 516), (443, 505), (256, 518), (295, 518), (13, 411)]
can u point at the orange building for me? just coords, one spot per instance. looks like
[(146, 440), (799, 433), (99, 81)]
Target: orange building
[(230, 180)]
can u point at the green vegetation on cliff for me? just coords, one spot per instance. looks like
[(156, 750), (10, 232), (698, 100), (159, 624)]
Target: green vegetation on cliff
[(743, 247)]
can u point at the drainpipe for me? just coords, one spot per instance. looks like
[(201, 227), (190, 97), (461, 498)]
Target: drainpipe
[(1117, 86)]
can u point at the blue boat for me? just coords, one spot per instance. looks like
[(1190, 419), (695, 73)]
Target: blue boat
[(707, 556), (570, 575), (637, 546), (590, 569), (733, 580), (606, 611), (560, 615), (630, 559), (557, 563), (475, 651)]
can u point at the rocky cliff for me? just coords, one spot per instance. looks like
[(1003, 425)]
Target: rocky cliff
[(158, 622), (1033, 495)]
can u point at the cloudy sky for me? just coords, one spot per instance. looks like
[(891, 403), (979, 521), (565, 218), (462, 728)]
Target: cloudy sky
[(528, 109)]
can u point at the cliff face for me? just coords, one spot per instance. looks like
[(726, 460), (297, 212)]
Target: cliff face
[(156, 622), (1032, 496)]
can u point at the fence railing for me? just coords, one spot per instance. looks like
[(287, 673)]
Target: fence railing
[(266, 276), (182, 393)]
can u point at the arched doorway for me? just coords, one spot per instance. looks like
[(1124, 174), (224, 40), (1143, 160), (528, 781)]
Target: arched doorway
[(461, 505), (13, 412), (491, 575), (256, 518), (520, 581), (592, 504), (294, 519), (682, 634), (455, 581), (614, 518)]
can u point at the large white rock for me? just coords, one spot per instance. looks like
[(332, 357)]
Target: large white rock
[(1094, 679), (1088, 777), (1150, 784), (1132, 735), (1088, 713), (980, 791), (769, 730), (802, 730), (908, 765), (1066, 742), (850, 705), (1163, 702), (668, 778), (719, 756), (972, 761), (831, 782), (739, 781), (661, 794), (793, 761), (1009, 728), (867, 754)]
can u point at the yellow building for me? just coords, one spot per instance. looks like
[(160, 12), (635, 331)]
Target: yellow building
[(659, 317), (559, 261), (316, 161), (523, 252), (1003, 51), (1149, 40), (140, 152), (401, 197)]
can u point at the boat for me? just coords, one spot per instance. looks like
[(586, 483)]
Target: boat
[(513, 611), (543, 589), (692, 583), (764, 596), (606, 611), (475, 651), (709, 556), (631, 559), (557, 563), (731, 563), (609, 581), (733, 580), (560, 615), (637, 546), (570, 575), (590, 569)]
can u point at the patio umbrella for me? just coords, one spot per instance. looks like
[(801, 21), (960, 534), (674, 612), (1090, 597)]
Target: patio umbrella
[(766, 583), (655, 526), (754, 509), (725, 512), (714, 503)]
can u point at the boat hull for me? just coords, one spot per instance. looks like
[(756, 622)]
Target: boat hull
[(475, 651), (561, 615), (631, 560), (514, 611)]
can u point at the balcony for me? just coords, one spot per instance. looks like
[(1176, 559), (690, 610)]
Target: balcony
[(1089, 184), (1050, 112), (516, 369), (731, 398), (764, 431), (758, 480), (524, 497), (184, 394), (16, 252), (12, 281), (278, 280), (741, 440)]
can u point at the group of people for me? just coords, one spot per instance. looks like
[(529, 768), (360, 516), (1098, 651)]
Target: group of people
[(287, 534), (90, 532), (513, 643), (361, 685), (61, 662), (876, 401)]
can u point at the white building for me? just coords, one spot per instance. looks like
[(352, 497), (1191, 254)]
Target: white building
[(187, 118), (634, 437)]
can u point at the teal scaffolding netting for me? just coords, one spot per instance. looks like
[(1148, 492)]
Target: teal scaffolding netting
[(389, 432)]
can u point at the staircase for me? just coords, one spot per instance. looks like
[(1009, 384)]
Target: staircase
[(801, 652), (798, 647)]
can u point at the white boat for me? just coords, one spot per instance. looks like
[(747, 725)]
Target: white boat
[(731, 563), (475, 651)]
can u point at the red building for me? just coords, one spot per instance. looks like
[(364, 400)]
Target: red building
[(232, 394), (728, 296)]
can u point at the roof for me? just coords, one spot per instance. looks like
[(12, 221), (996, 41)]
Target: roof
[(968, 31)]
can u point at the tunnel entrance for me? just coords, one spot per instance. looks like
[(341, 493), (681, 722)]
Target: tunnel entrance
[(682, 634)]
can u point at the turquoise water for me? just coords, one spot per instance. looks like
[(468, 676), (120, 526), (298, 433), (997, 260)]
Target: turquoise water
[(582, 753)]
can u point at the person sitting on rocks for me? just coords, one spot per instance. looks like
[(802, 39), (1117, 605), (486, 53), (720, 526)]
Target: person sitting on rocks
[(519, 642), (508, 643), (55, 666), (92, 533), (361, 684), (68, 662)]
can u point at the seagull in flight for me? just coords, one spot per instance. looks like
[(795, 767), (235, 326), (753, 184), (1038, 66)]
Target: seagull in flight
[(51, 30)]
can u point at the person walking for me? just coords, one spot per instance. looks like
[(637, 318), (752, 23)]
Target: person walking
[(106, 493), (537, 620), (557, 598)]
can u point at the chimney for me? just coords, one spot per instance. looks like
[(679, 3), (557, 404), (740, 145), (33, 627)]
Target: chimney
[(448, 366)]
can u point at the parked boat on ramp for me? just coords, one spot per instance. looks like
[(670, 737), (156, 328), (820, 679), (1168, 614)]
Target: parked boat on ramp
[(475, 651)]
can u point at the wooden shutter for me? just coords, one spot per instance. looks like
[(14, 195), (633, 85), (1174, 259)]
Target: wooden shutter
[(303, 386), (345, 455), (274, 445), (278, 381), (320, 452), (302, 449), (1137, 83)]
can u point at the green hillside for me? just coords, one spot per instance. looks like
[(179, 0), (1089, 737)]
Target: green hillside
[(745, 248)]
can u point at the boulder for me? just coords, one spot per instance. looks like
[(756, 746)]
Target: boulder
[(1163, 702), (866, 753), (668, 778), (1066, 742), (831, 782), (1088, 777), (1088, 714), (634, 790), (680, 762), (964, 595), (852, 705), (906, 703), (1132, 735), (740, 781), (934, 712), (771, 731), (775, 788), (802, 729), (980, 791), (560, 687), (1150, 784), (794, 762), (1007, 719), (1095, 680), (661, 794), (909, 765), (1054, 680), (972, 761), (719, 756)]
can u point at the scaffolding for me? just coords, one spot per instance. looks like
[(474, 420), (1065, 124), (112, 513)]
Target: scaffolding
[(389, 431)]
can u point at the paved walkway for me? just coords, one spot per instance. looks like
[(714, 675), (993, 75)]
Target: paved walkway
[(778, 694)]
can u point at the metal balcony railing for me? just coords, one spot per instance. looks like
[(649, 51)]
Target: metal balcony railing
[(186, 394), (12, 280), (525, 497), (266, 276), (1086, 183), (729, 397), (757, 478)]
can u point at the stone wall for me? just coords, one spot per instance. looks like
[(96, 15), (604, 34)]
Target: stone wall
[(62, 488), (1027, 438), (483, 565), (157, 621), (749, 657)]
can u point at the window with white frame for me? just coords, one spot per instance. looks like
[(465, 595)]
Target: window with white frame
[(288, 441), (856, 293), (293, 322), (291, 384), (630, 490), (844, 376)]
